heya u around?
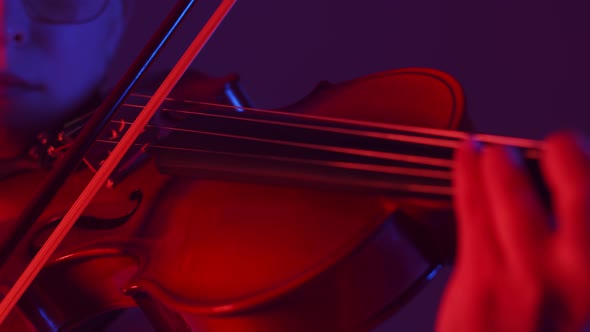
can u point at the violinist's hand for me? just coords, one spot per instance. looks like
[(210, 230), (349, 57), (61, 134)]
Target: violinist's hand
[(513, 273)]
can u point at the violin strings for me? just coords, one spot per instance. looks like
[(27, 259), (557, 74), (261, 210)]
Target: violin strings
[(443, 133), (387, 169), (419, 174), (529, 153), (354, 132), (447, 139), (426, 161), (373, 185), (389, 156), (416, 188)]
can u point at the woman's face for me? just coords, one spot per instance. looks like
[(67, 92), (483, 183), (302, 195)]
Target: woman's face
[(47, 69)]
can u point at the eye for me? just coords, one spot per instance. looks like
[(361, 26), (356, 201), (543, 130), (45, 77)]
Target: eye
[(54, 8), (65, 11)]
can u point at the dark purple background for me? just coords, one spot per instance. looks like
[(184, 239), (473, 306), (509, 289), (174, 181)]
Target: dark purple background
[(523, 63)]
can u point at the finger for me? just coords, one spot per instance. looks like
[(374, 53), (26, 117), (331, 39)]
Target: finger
[(566, 166), (476, 243), (519, 217)]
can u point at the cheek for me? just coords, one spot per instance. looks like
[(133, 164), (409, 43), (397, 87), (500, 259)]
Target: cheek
[(76, 62)]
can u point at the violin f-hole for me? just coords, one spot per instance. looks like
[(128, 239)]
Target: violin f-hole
[(89, 222)]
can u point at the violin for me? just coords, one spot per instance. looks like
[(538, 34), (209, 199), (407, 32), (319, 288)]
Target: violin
[(326, 215), (254, 251), (315, 217), (220, 253), (81, 284)]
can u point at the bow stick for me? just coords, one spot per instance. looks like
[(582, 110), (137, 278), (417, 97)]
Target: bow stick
[(68, 221)]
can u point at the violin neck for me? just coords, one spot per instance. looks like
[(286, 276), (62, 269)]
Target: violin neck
[(284, 149)]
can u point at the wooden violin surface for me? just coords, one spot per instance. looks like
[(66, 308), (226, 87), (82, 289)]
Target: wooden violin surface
[(252, 257)]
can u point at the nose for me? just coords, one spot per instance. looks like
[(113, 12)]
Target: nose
[(13, 23), (13, 36)]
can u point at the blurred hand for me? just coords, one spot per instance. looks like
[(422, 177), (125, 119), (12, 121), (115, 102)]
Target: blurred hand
[(513, 271)]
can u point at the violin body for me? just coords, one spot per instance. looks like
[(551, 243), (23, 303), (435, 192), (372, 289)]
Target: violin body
[(213, 255), (86, 274), (241, 256)]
